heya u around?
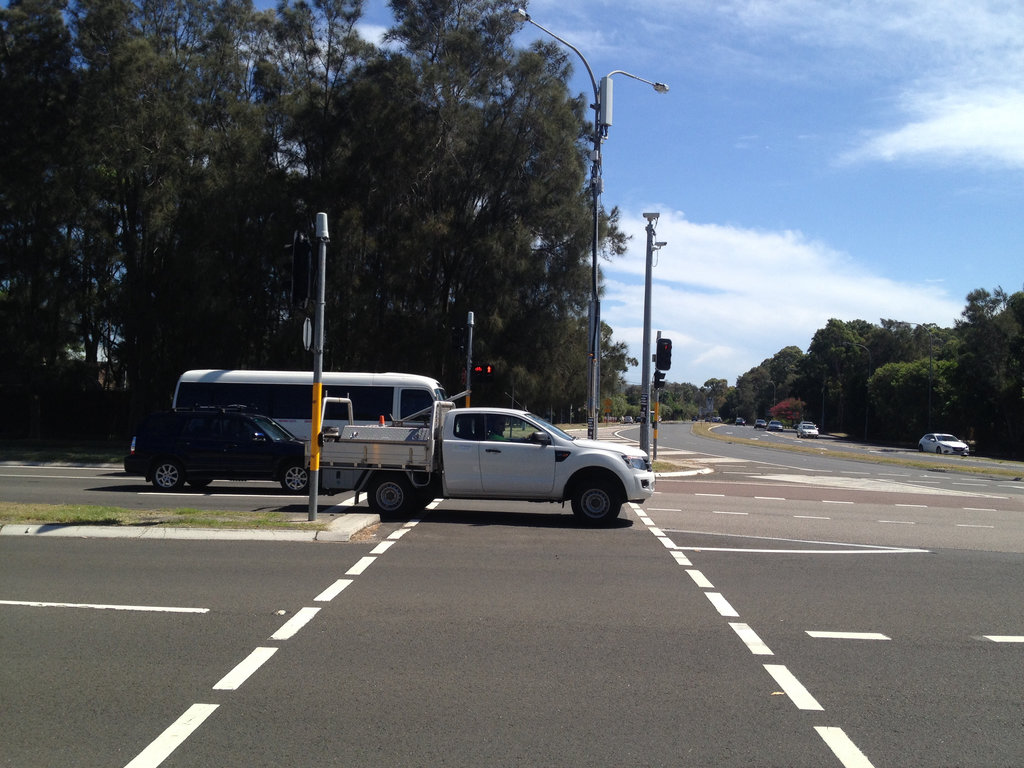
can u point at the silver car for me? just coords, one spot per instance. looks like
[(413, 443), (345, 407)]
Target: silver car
[(937, 442), (806, 429)]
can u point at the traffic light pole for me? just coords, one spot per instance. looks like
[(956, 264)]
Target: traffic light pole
[(318, 367), (469, 358), (645, 351)]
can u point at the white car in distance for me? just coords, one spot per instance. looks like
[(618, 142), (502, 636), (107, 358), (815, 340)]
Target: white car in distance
[(806, 429), (937, 442)]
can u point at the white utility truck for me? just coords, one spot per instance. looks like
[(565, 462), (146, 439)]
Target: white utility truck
[(482, 453)]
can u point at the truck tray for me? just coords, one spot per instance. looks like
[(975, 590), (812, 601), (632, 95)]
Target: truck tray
[(379, 447)]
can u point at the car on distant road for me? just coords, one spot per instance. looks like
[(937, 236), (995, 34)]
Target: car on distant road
[(740, 421), (199, 445), (938, 442), (806, 429), (760, 424), (774, 426)]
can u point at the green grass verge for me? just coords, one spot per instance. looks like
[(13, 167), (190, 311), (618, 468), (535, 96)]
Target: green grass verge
[(84, 514)]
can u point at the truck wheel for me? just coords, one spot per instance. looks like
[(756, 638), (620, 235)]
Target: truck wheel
[(594, 501), (295, 479), (390, 494), (168, 475)]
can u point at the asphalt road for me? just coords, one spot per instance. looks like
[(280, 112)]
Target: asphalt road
[(766, 614)]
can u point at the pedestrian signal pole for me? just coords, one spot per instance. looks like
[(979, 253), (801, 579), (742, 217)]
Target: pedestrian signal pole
[(316, 427)]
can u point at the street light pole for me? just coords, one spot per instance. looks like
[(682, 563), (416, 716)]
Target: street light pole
[(602, 121), (645, 350)]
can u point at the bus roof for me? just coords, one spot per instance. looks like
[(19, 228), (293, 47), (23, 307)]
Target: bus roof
[(340, 378)]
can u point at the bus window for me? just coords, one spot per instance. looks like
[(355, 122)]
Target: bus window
[(414, 400)]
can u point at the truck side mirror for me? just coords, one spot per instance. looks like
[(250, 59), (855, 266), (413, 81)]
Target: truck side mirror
[(541, 438)]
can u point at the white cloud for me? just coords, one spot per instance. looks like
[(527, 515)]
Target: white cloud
[(730, 297), (985, 127)]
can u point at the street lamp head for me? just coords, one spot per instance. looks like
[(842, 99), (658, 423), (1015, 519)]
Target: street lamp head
[(523, 14), (652, 217), (660, 244), (659, 87)]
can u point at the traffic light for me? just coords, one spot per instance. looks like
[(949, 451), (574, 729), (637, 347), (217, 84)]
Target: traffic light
[(663, 356), (483, 372), (302, 269), (659, 379)]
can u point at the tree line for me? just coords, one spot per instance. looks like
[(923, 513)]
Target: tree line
[(895, 380), (161, 154)]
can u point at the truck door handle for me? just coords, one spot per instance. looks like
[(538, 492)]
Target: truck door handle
[(492, 450)]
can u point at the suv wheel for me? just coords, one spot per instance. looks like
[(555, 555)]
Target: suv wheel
[(295, 478), (595, 502), (168, 475)]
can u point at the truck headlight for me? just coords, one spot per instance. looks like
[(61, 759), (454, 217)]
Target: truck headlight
[(637, 462)]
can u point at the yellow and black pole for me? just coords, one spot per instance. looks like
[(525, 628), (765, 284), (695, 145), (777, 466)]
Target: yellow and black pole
[(316, 427)]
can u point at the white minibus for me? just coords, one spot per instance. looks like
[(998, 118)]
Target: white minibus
[(287, 396)]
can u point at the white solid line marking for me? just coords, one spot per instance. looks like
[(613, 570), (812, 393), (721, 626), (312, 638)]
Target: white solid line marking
[(381, 548), (361, 566), (912, 506), (898, 522), (681, 558), (701, 580), (162, 746), (721, 604), (811, 517), (716, 512), (1005, 638), (719, 495), (792, 687), (332, 591), (291, 627), (979, 509), (847, 635), (968, 525), (234, 679), (769, 498), (154, 608), (833, 501), (844, 749), (750, 638)]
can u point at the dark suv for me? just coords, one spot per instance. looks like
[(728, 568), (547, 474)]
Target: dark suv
[(197, 446)]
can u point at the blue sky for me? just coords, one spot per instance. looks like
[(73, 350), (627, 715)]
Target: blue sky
[(857, 159)]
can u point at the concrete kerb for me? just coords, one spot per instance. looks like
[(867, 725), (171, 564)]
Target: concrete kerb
[(341, 529)]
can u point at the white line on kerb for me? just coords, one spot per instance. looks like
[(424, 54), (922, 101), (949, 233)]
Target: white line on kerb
[(162, 746), (234, 679), (842, 747), (291, 627), (793, 687), (98, 607), (332, 591), (750, 638)]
